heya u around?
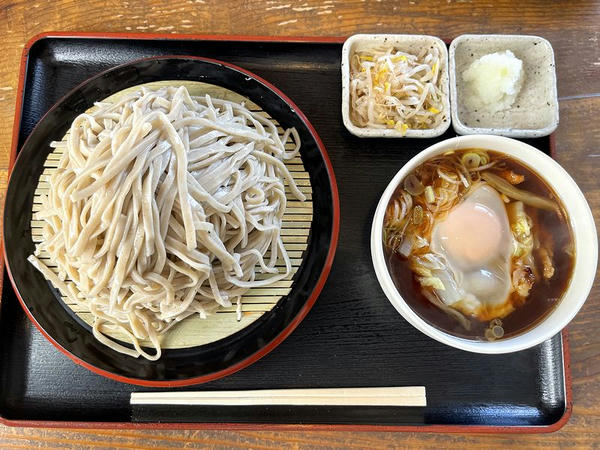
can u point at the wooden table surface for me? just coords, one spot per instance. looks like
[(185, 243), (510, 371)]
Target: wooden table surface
[(573, 28)]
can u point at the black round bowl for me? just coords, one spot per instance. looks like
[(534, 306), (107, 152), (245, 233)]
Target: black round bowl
[(176, 367)]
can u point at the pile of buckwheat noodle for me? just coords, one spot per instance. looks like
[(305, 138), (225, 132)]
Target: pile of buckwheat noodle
[(163, 206)]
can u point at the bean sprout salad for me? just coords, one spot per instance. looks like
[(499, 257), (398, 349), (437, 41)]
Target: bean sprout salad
[(393, 89)]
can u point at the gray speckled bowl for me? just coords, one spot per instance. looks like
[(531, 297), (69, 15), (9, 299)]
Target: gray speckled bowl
[(535, 110)]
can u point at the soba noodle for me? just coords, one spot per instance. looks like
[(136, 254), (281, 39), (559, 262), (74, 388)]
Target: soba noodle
[(163, 206)]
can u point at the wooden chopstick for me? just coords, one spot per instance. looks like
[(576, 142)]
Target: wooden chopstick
[(374, 396)]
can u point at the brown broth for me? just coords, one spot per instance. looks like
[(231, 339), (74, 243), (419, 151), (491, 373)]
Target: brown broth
[(543, 297)]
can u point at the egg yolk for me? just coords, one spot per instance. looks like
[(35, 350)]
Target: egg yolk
[(471, 235)]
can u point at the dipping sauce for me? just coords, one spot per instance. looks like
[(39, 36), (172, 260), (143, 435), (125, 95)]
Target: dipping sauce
[(478, 245)]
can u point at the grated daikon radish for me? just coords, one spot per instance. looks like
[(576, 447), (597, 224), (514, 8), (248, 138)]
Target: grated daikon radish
[(494, 81)]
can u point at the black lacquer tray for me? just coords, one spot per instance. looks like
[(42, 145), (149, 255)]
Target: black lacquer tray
[(352, 337)]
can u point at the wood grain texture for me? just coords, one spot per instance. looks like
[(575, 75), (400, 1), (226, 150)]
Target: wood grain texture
[(572, 28)]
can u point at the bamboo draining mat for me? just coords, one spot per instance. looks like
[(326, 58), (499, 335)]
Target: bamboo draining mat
[(297, 221)]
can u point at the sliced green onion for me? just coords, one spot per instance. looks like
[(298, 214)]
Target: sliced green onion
[(429, 194), (417, 215), (471, 160), (413, 185), (498, 331), (484, 157)]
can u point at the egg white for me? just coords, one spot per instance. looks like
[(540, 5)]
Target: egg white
[(475, 242)]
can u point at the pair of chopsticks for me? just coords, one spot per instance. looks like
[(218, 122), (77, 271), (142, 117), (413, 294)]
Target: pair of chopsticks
[(371, 396)]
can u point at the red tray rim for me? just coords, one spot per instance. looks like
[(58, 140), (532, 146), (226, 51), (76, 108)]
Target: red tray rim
[(486, 429)]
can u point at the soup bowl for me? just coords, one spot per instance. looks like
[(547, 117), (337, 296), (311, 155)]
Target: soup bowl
[(579, 217)]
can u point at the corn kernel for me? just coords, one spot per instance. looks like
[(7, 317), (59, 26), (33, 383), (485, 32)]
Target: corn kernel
[(402, 127), (399, 58)]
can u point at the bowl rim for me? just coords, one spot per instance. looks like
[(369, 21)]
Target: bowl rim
[(391, 133), (580, 220)]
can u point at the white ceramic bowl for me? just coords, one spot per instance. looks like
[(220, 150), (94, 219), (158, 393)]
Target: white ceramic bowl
[(410, 43), (581, 221)]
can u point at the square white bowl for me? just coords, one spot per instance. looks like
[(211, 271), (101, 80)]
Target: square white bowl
[(535, 110), (409, 43)]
